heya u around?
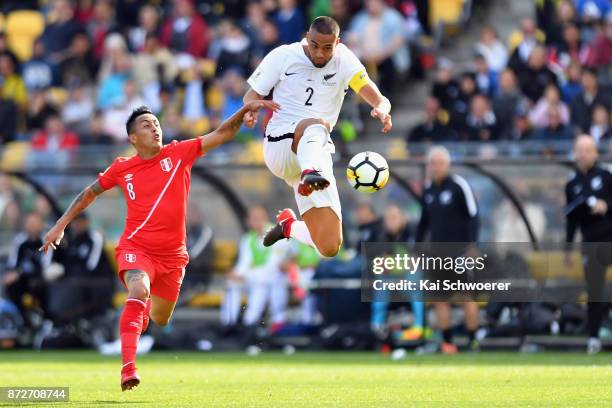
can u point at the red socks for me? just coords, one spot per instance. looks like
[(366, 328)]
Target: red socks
[(145, 316), (130, 328)]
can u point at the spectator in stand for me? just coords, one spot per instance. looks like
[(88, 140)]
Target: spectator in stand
[(37, 73), (79, 66), (600, 7), (54, 137), (290, 22), (522, 42), (234, 86), (96, 135), (600, 55), (148, 25), (506, 103), (341, 12), (78, 109), (572, 87), (492, 49), (102, 23), (600, 125), (555, 129), (185, 31), (12, 84), (116, 115), (521, 127), (445, 88), (486, 78), (112, 85), (434, 127), (571, 48), (8, 119), (234, 49), (60, 31), (535, 76), (480, 123), (461, 105), (39, 109), (155, 66), (553, 16), (582, 106), (11, 203), (377, 36), (24, 268), (6, 49), (552, 98), (252, 25), (269, 37), (194, 107)]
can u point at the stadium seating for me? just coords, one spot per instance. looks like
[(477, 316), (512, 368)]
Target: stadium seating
[(23, 27)]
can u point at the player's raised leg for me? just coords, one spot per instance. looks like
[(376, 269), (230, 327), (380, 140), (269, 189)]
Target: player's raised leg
[(309, 140), (131, 324)]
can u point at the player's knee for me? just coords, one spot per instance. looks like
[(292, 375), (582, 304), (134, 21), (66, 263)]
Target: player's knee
[(330, 249), (160, 320), (140, 292)]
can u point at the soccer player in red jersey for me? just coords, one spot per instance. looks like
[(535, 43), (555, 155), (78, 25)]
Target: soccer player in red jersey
[(151, 255)]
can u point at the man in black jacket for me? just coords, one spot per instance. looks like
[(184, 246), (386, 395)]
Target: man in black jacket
[(589, 198), (449, 214), (23, 278)]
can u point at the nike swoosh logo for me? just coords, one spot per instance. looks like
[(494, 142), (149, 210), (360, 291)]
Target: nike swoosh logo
[(290, 73), (329, 76), (311, 141)]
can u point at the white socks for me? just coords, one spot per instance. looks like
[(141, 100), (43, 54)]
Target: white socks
[(299, 231), (310, 147)]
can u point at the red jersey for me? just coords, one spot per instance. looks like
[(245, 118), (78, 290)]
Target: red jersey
[(156, 192)]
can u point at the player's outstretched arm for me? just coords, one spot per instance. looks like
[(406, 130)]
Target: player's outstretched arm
[(83, 200), (249, 118), (228, 129), (381, 107)]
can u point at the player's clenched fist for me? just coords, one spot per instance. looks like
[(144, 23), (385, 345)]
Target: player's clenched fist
[(250, 117), (52, 238)]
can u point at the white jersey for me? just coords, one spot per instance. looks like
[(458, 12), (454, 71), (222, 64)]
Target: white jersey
[(301, 89)]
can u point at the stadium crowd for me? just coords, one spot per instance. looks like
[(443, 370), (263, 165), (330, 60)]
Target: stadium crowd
[(73, 76)]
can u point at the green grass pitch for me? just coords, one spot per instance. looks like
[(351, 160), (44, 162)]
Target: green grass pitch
[(307, 379)]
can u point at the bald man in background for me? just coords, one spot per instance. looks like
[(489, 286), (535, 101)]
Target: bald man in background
[(589, 197)]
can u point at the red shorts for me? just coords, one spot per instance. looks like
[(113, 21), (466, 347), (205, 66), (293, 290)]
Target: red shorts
[(166, 275)]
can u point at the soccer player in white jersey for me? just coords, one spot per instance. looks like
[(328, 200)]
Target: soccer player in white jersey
[(310, 79)]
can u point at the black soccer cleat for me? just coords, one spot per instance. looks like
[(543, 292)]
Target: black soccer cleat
[(277, 232), (312, 180)]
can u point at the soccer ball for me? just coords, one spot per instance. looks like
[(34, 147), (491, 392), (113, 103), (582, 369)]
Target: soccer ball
[(368, 172)]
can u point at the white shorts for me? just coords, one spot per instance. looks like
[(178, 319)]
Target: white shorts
[(283, 163)]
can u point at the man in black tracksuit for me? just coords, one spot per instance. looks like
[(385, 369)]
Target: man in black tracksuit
[(86, 288), (449, 214), (23, 277), (589, 200)]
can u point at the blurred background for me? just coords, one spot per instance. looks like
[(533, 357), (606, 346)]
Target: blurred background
[(505, 85)]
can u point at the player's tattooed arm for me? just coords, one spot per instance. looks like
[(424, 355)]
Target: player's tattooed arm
[(83, 200), (228, 129)]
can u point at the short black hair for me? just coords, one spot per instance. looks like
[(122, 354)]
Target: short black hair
[(325, 25), (141, 110)]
